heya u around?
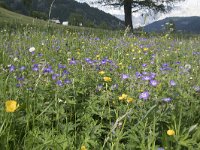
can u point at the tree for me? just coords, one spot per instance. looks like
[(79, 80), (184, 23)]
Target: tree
[(136, 5), (75, 19)]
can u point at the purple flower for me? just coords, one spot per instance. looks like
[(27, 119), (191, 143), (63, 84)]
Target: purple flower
[(72, 62), (65, 72), (40, 54), (59, 83), (160, 148), (172, 83), (18, 85), (20, 78), (114, 86), (152, 75), (167, 99), (125, 76), (144, 95), (99, 87), (138, 74), (67, 81), (88, 60), (48, 70), (104, 61), (54, 76), (60, 66), (144, 73), (147, 78), (165, 65), (153, 82), (196, 88), (22, 68), (144, 65), (12, 68), (35, 67)]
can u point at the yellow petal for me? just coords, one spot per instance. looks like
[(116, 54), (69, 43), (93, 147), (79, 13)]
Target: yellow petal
[(11, 105)]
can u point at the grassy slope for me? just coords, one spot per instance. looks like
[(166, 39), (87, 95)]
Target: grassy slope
[(7, 16)]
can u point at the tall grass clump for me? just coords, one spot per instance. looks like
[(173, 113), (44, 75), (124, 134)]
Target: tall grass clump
[(69, 89)]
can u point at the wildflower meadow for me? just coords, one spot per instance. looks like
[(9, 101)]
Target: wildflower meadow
[(87, 89)]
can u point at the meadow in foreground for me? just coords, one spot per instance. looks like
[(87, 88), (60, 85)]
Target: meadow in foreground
[(70, 90)]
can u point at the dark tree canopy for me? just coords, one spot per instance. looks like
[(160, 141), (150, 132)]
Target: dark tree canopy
[(131, 6)]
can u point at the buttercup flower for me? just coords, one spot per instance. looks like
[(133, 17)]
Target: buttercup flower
[(101, 72), (170, 132), (83, 147), (129, 100), (107, 79), (11, 105), (123, 97)]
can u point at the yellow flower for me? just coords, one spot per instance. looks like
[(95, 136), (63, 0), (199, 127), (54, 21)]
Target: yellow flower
[(101, 72), (107, 79), (123, 97), (145, 49), (11, 105), (170, 132), (129, 100), (83, 147)]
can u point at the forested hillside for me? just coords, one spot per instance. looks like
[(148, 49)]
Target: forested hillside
[(64, 10)]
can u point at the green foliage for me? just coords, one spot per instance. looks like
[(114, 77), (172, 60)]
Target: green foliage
[(39, 15), (75, 19)]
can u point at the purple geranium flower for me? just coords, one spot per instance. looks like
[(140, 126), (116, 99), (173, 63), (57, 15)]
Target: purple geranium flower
[(67, 81), (12, 68), (152, 75), (35, 67), (144, 95), (144, 65), (54, 76), (153, 82), (114, 86), (48, 70), (146, 78), (22, 68), (99, 87), (167, 99), (59, 83), (60, 66), (125, 76), (172, 83), (138, 74)]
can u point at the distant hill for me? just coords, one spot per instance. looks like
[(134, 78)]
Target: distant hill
[(9, 17), (64, 10), (182, 24)]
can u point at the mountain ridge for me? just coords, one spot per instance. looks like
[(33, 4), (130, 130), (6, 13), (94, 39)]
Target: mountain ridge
[(189, 24)]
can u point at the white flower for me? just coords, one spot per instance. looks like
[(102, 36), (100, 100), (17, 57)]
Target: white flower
[(15, 59), (188, 67), (31, 49)]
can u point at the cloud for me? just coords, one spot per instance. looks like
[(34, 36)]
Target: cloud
[(186, 8)]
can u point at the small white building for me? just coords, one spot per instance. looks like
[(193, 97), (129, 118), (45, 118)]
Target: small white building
[(55, 21), (65, 23)]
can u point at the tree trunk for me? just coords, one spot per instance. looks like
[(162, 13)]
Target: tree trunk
[(128, 13)]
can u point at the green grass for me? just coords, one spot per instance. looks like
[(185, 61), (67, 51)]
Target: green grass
[(7, 16), (65, 103)]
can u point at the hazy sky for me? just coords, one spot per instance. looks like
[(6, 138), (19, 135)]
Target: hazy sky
[(187, 8)]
